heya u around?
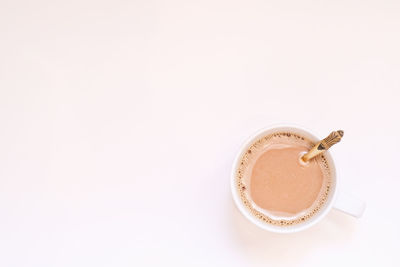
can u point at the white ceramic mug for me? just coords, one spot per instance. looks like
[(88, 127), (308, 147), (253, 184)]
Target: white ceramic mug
[(336, 199)]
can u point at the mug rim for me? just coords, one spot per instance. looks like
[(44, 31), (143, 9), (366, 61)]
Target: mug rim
[(281, 229)]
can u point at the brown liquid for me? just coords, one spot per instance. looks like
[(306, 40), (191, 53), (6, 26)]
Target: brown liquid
[(276, 186), (281, 184)]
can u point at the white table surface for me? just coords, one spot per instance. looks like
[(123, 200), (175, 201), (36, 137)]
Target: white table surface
[(120, 121)]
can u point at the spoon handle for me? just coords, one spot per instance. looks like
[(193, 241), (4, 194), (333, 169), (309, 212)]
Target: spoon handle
[(323, 145)]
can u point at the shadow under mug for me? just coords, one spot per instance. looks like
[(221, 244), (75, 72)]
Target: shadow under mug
[(336, 198)]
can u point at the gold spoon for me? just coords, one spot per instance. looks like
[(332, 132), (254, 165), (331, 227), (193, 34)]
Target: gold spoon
[(323, 145)]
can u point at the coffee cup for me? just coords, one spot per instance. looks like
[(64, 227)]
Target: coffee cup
[(333, 198)]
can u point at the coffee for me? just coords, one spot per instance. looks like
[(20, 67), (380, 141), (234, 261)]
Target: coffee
[(276, 186)]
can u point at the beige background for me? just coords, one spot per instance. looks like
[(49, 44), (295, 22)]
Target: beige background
[(119, 122)]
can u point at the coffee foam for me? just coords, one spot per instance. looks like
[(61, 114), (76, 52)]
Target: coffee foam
[(243, 175)]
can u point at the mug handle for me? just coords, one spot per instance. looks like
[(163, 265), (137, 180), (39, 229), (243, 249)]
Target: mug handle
[(349, 204)]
